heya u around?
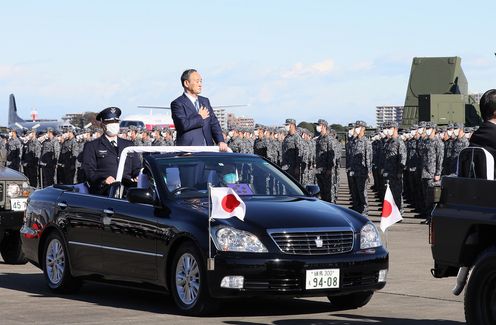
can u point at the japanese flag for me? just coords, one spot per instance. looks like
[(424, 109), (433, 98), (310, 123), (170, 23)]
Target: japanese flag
[(390, 212), (226, 204)]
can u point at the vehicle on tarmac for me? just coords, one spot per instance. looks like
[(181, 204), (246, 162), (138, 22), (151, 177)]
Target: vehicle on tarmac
[(14, 192), (462, 234), (157, 234)]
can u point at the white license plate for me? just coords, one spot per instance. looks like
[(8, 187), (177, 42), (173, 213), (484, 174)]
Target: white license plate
[(18, 204), (322, 279)]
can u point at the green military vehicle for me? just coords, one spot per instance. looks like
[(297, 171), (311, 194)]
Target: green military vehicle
[(438, 92)]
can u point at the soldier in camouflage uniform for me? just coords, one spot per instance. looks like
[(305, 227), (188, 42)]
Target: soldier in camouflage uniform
[(50, 150), (167, 137), (84, 137), (292, 150), (31, 153), (14, 150), (376, 159), (146, 139), (3, 152), (337, 164), (133, 135), (308, 158), (459, 143), (394, 161), (260, 145), (157, 136), (448, 140), (325, 161), (412, 159), (431, 153), (360, 168), (350, 137), (69, 151), (236, 142)]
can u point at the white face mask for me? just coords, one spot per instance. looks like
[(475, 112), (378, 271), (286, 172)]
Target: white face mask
[(230, 134), (450, 133), (413, 132), (467, 135), (319, 128), (286, 127), (456, 132), (421, 130), (112, 129), (350, 132), (428, 132)]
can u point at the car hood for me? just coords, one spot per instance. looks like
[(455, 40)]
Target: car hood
[(8, 174), (290, 212)]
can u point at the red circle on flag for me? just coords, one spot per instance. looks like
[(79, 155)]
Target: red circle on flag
[(229, 203), (387, 209)]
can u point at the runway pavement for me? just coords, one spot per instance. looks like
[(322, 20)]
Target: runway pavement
[(411, 297)]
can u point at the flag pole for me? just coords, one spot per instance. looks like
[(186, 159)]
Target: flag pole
[(210, 260)]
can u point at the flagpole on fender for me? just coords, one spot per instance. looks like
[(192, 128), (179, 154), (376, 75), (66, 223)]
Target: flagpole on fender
[(210, 260)]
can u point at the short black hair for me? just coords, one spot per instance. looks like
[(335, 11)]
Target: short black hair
[(186, 74), (488, 104)]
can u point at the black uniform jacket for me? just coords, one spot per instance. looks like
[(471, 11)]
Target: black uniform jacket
[(101, 159)]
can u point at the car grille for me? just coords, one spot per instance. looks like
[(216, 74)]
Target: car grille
[(285, 284), (313, 242)]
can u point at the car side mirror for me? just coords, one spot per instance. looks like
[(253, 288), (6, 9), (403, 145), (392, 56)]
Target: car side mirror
[(140, 195), (313, 190)]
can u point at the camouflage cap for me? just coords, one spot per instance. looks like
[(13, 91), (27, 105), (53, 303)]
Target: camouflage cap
[(290, 121), (393, 125), (459, 125), (157, 128), (414, 127), (351, 125), (468, 130), (442, 129), (323, 122), (450, 126), (133, 128), (422, 124), (431, 125), (360, 124)]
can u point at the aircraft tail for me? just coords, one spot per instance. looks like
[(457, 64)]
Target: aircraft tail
[(13, 117)]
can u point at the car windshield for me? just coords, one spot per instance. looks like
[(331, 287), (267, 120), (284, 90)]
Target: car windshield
[(189, 176)]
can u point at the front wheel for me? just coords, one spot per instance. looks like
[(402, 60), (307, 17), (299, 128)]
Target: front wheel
[(188, 282), (480, 295), (11, 248), (351, 301), (56, 266)]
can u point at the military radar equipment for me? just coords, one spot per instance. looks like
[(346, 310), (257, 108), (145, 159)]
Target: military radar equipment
[(438, 92)]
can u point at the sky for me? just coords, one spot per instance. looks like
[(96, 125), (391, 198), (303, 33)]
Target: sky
[(305, 60)]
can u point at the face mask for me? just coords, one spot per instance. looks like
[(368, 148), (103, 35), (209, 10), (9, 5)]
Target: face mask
[(112, 129), (421, 130), (450, 133), (350, 132), (357, 131), (230, 178), (231, 133), (428, 132), (413, 132), (319, 128), (467, 135), (286, 127), (457, 132)]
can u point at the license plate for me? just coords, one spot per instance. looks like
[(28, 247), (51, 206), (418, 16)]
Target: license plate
[(18, 204), (322, 279)]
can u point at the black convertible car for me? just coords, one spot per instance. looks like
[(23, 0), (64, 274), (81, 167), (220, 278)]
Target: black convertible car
[(156, 235)]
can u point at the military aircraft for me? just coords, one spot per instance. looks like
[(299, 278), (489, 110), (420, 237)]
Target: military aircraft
[(15, 122), (150, 120)]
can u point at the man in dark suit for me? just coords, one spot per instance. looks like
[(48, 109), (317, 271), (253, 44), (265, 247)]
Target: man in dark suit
[(101, 156), (194, 118), (485, 136)]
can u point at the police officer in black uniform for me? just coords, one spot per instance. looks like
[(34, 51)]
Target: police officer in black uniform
[(101, 156)]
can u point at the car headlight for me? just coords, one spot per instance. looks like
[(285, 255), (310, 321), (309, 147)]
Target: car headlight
[(13, 190), (369, 237), (229, 239)]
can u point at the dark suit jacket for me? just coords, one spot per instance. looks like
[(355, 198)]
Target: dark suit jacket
[(485, 137), (191, 129), (101, 159)]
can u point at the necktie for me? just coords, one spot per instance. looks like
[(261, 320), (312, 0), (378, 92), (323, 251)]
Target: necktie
[(114, 143), (197, 105)]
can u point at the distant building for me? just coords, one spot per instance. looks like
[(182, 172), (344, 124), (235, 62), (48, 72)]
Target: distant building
[(388, 114), (476, 97), (221, 116), (239, 122)]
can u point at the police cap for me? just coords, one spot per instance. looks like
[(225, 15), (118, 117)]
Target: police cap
[(110, 114)]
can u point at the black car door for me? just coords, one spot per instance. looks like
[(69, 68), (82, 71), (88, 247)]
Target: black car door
[(130, 241), (80, 217)]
